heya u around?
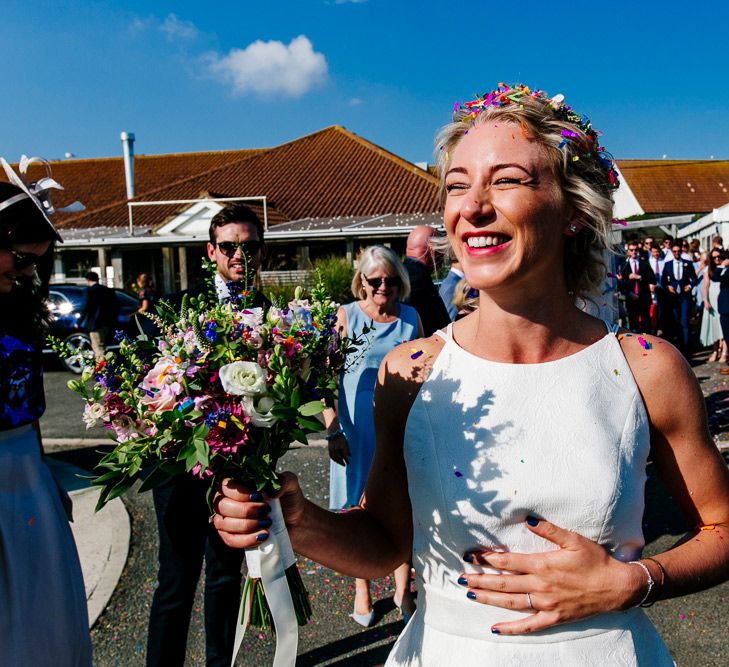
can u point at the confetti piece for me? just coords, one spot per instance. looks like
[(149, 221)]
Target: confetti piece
[(222, 424), (615, 221), (620, 336), (32, 521), (416, 354), (615, 370), (644, 343), (708, 526), (458, 473)]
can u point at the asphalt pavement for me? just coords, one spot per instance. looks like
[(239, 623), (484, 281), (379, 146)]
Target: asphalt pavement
[(122, 562)]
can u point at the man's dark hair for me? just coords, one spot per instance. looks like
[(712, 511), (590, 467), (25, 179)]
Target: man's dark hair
[(235, 213), (92, 276), (669, 239)]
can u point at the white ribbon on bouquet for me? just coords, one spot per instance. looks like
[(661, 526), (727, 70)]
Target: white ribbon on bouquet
[(269, 562)]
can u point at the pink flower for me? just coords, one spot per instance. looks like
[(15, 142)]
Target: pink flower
[(201, 472), (161, 385), (230, 431)]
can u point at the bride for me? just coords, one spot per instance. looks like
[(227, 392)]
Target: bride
[(511, 452)]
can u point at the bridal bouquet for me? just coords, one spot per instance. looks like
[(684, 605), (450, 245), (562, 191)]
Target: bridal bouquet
[(222, 392)]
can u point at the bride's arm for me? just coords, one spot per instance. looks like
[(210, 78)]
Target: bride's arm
[(363, 542)]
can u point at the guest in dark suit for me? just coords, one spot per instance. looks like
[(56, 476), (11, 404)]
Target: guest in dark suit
[(636, 277), (448, 287), (720, 274), (420, 263), (679, 278), (185, 534), (657, 296), (99, 315)]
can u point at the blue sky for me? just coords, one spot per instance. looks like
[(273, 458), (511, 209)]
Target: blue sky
[(188, 76)]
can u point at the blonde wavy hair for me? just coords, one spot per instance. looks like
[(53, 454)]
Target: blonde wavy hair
[(584, 177)]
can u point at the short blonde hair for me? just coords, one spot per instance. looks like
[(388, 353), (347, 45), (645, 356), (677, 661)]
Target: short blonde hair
[(379, 257), (584, 172)]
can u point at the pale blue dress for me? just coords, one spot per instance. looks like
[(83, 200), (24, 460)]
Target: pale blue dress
[(356, 391)]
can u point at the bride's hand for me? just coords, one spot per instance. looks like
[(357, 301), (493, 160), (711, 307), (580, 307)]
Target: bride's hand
[(578, 580), (241, 514)]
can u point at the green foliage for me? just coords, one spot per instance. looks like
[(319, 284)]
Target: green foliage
[(335, 273), (279, 295)]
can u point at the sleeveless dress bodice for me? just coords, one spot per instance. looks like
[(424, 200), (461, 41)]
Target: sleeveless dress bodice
[(487, 444)]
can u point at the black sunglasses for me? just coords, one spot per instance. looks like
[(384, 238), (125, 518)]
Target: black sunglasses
[(229, 248), (22, 260), (390, 281)]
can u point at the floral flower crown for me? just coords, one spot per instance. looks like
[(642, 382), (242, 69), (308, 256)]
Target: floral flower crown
[(586, 146)]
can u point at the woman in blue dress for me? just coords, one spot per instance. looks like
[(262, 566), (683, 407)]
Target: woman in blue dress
[(43, 616), (379, 284)]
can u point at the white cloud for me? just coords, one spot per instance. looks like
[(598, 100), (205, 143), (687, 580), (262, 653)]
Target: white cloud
[(268, 68), (176, 28), (355, 102), (344, 2)]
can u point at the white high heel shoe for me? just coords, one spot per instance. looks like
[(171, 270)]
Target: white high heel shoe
[(365, 620)]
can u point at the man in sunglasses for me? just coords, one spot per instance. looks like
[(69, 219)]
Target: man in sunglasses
[(424, 297), (185, 534)]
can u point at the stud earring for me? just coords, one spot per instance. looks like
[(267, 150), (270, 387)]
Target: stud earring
[(572, 228)]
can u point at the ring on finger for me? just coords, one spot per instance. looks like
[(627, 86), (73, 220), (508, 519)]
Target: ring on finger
[(529, 601)]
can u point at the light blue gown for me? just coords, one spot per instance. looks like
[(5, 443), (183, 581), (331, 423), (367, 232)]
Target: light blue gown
[(356, 391)]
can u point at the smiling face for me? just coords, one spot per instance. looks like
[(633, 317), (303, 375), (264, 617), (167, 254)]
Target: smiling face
[(380, 294), (504, 211), (233, 267), (9, 273)]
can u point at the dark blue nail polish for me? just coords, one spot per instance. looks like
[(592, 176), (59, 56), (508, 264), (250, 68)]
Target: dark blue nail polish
[(261, 537), (255, 497), (263, 511), (471, 595), (532, 520), (468, 558), (462, 581), (264, 523), (495, 631)]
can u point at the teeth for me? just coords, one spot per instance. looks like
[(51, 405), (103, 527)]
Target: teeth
[(485, 241)]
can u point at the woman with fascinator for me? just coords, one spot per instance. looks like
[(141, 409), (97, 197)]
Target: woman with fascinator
[(43, 617), (511, 454)]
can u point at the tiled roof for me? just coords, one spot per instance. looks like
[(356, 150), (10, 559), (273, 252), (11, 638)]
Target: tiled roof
[(329, 173), (100, 182), (677, 186)]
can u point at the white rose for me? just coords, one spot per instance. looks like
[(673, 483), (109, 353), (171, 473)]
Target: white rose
[(93, 412), (243, 378), (261, 414)]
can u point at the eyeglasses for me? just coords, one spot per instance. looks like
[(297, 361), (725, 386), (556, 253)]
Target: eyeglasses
[(22, 260), (390, 281), (229, 248)]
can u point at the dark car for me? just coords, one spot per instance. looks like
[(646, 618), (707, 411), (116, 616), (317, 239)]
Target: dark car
[(66, 302)]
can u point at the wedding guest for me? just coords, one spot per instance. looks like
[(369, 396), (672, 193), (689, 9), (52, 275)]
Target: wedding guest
[(447, 289), (378, 286), (636, 278), (511, 455), (100, 313), (710, 334), (678, 281), (43, 617), (185, 533), (147, 298), (420, 264)]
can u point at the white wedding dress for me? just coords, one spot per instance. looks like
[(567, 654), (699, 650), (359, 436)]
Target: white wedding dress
[(486, 445)]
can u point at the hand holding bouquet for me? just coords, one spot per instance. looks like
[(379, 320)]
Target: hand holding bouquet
[(223, 392)]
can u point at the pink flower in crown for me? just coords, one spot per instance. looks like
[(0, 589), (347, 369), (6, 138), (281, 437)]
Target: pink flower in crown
[(228, 428)]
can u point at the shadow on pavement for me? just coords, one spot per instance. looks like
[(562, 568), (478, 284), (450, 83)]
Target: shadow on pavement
[(374, 656)]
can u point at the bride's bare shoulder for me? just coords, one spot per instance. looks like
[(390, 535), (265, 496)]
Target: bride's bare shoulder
[(411, 361)]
